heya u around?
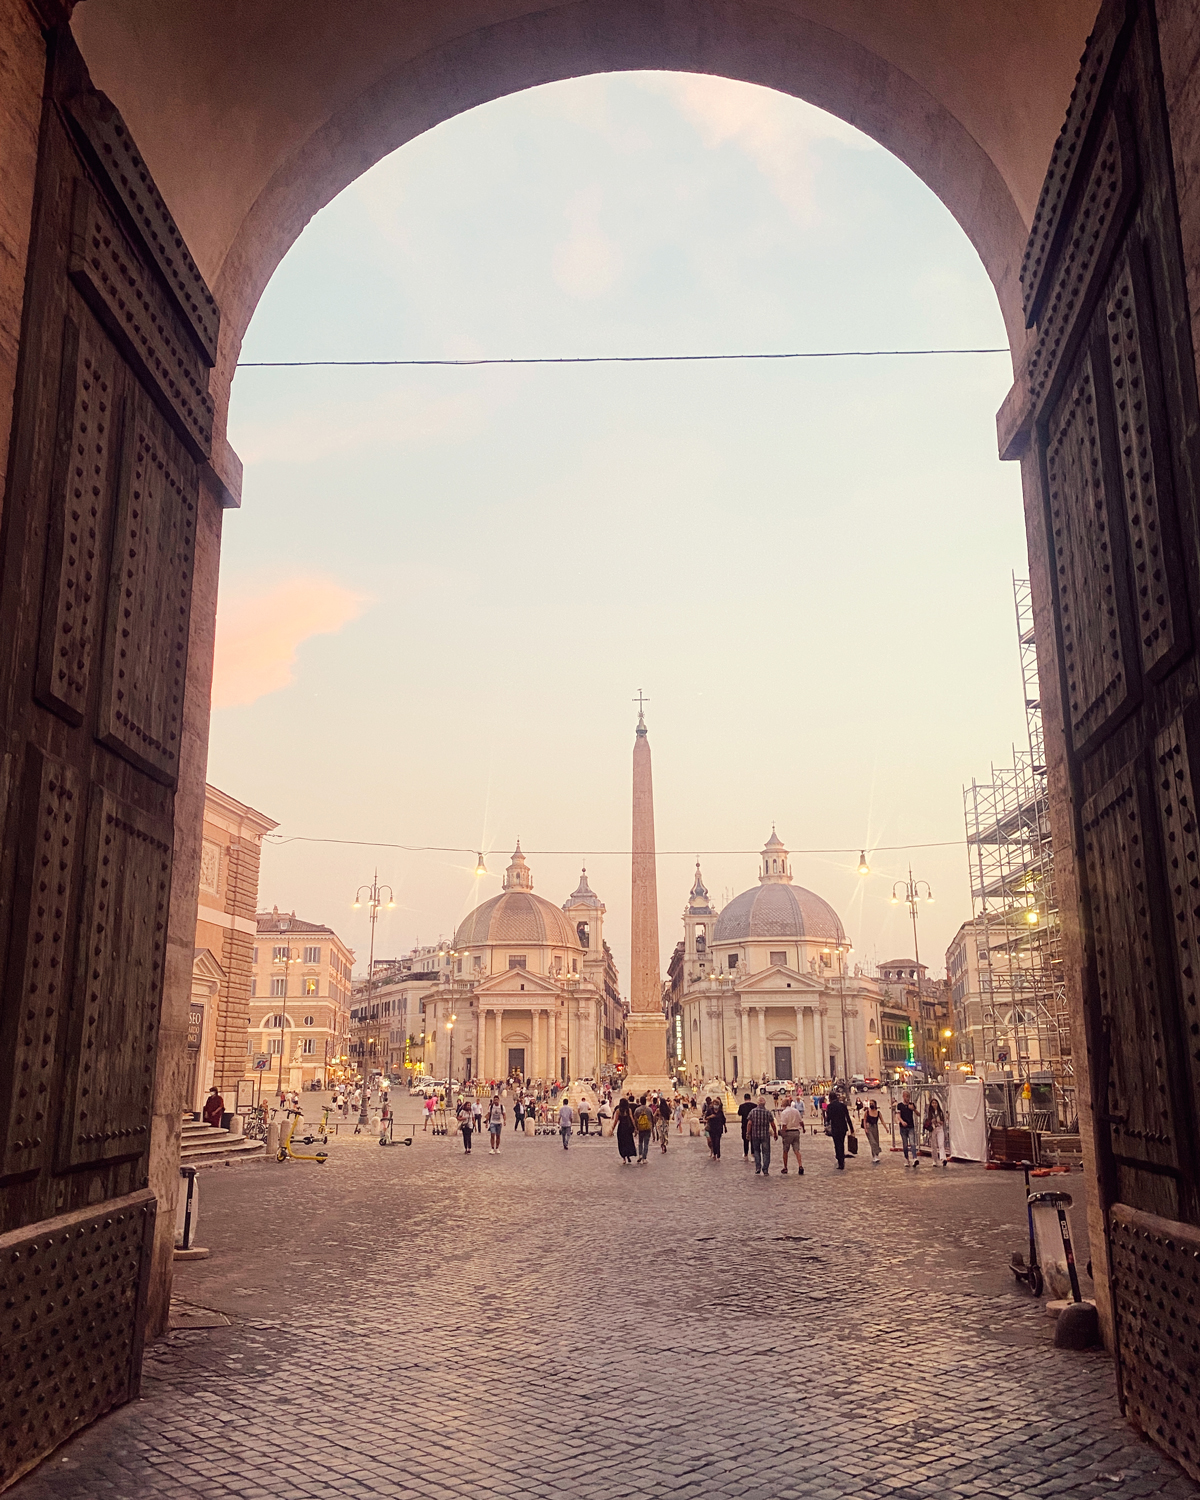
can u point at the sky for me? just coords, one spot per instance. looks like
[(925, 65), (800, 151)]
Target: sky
[(446, 585)]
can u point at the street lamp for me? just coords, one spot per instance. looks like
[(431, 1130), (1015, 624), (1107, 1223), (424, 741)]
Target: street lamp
[(287, 961), (842, 1006), (450, 1064), (910, 894), (374, 902)]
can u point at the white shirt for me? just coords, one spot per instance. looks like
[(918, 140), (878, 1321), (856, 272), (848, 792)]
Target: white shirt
[(565, 1115), (790, 1118)]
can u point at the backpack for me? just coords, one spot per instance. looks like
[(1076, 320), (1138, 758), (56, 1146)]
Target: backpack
[(644, 1119)]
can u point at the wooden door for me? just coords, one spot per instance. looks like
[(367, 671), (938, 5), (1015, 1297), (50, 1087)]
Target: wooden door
[(1111, 381), (112, 420)]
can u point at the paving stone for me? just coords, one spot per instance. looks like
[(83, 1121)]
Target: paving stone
[(549, 1325)]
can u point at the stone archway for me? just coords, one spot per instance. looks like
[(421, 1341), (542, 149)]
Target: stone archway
[(247, 122)]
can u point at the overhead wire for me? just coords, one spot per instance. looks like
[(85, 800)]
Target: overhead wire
[(605, 359), (302, 838)]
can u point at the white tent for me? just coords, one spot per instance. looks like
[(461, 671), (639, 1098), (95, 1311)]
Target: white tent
[(968, 1120)]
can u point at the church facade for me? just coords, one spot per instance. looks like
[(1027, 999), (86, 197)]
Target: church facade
[(764, 989), (531, 991)]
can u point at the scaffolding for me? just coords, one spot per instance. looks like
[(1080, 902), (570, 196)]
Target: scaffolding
[(1017, 1028)]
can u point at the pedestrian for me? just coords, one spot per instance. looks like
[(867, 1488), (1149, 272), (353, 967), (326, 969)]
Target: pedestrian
[(566, 1118), (664, 1120), (643, 1120), (744, 1109), (908, 1127), (430, 1106), (715, 1128), (935, 1128), (214, 1108), (625, 1133), (837, 1118), (798, 1105), (677, 1116), (760, 1127), (464, 1125), (496, 1122), (585, 1114), (477, 1114), (790, 1126), (518, 1114), (870, 1124)]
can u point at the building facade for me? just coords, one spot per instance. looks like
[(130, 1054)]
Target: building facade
[(299, 1002), (531, 990), (764, 988), (225, 935)]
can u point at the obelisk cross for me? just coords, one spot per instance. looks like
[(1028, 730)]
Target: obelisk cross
[(641, 703)]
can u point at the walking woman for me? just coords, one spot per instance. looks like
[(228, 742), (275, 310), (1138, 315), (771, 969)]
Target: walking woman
[(935, 1127), (870, 1125), (715, 1127), (463, 1117), (625, 1133)]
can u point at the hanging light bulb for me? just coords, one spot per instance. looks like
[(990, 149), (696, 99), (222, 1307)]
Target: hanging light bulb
[(863, 867), (390, 905), (480, 867)]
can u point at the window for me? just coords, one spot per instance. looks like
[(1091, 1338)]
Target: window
[(280, 953), (278, 985), (275, 1021), (275, 1046), (250, 1047), (574, 966), (458, 967), (210, 865), (477, 962), (255, 956), (308, 1046), (308, 1020), (779, 958), (701, 938), (584, 933), (310, 985), (516, 961), (733, 961), (312, 955), (253, 986)]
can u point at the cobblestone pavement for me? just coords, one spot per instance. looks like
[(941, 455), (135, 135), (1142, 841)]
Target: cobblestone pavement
[(408, 1322)]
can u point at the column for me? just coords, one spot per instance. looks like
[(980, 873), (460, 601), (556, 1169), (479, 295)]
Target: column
[(477, 1055), (535, 1046), (763, 1065), (823, 1060), (798, 1064), (744, 1044)]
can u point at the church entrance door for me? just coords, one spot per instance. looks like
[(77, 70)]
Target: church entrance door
[(516, 1061), (783, 1062)]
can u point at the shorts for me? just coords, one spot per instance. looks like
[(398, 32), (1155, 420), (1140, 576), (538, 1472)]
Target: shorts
[(494, 1129), (792, 1138)]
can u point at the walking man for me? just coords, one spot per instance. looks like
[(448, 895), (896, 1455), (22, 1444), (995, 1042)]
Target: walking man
[(908, 1127), (744, 1109), (760, 1127), (585, 1114), (643, 1121), (566, 1118), (791, 1123), (477, 1114), (837, 1118), (496, 1120)]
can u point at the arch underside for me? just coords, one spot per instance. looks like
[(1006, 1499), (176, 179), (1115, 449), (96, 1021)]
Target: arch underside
[(247, 149)]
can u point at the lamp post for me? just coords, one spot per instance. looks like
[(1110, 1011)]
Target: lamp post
[(910, 894), (287, 961), (450, 1064), (374, 902), (842, 1008)]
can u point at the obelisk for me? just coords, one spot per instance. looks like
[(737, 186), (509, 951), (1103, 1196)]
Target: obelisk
[(646, 1024)]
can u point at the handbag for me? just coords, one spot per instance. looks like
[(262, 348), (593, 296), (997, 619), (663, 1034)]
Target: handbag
[(852, 1144)]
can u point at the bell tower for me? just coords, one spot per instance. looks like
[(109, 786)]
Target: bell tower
[(699, 918)]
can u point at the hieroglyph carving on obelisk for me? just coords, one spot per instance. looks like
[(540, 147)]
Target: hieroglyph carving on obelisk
[(647, 1026)]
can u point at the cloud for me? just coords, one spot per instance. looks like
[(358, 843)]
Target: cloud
[(776, 131), (259, 633), (587, 262)]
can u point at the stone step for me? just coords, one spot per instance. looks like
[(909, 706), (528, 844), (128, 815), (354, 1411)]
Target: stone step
[(223, 1148)]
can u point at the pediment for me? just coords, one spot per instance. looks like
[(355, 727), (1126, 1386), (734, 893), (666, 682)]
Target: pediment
[(779, 977), (205, 965), (518, 983)]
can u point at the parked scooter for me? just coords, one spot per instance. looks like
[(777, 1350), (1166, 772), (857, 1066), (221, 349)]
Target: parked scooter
[(1031, 1271)]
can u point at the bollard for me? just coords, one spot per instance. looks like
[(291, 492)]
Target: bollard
[(272, 1139), (237, 1125)]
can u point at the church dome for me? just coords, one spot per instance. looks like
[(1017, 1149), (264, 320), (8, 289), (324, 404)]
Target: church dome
[(777, 908), (516, 916), (778, 911)]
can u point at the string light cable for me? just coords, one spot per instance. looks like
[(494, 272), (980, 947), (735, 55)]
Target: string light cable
[(606, 359), (304, 838)]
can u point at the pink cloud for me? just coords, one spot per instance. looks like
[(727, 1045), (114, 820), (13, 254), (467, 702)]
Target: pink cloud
[(259, 633)]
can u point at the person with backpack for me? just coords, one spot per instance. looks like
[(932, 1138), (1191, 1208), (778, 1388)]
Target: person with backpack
[(663, 1123), (643, 1123), (495, 1123), (908, 1127)]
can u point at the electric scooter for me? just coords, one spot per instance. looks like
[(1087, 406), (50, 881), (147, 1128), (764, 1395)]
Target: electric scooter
[(1030, 1271), (322, 1131), (285, 1152)]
